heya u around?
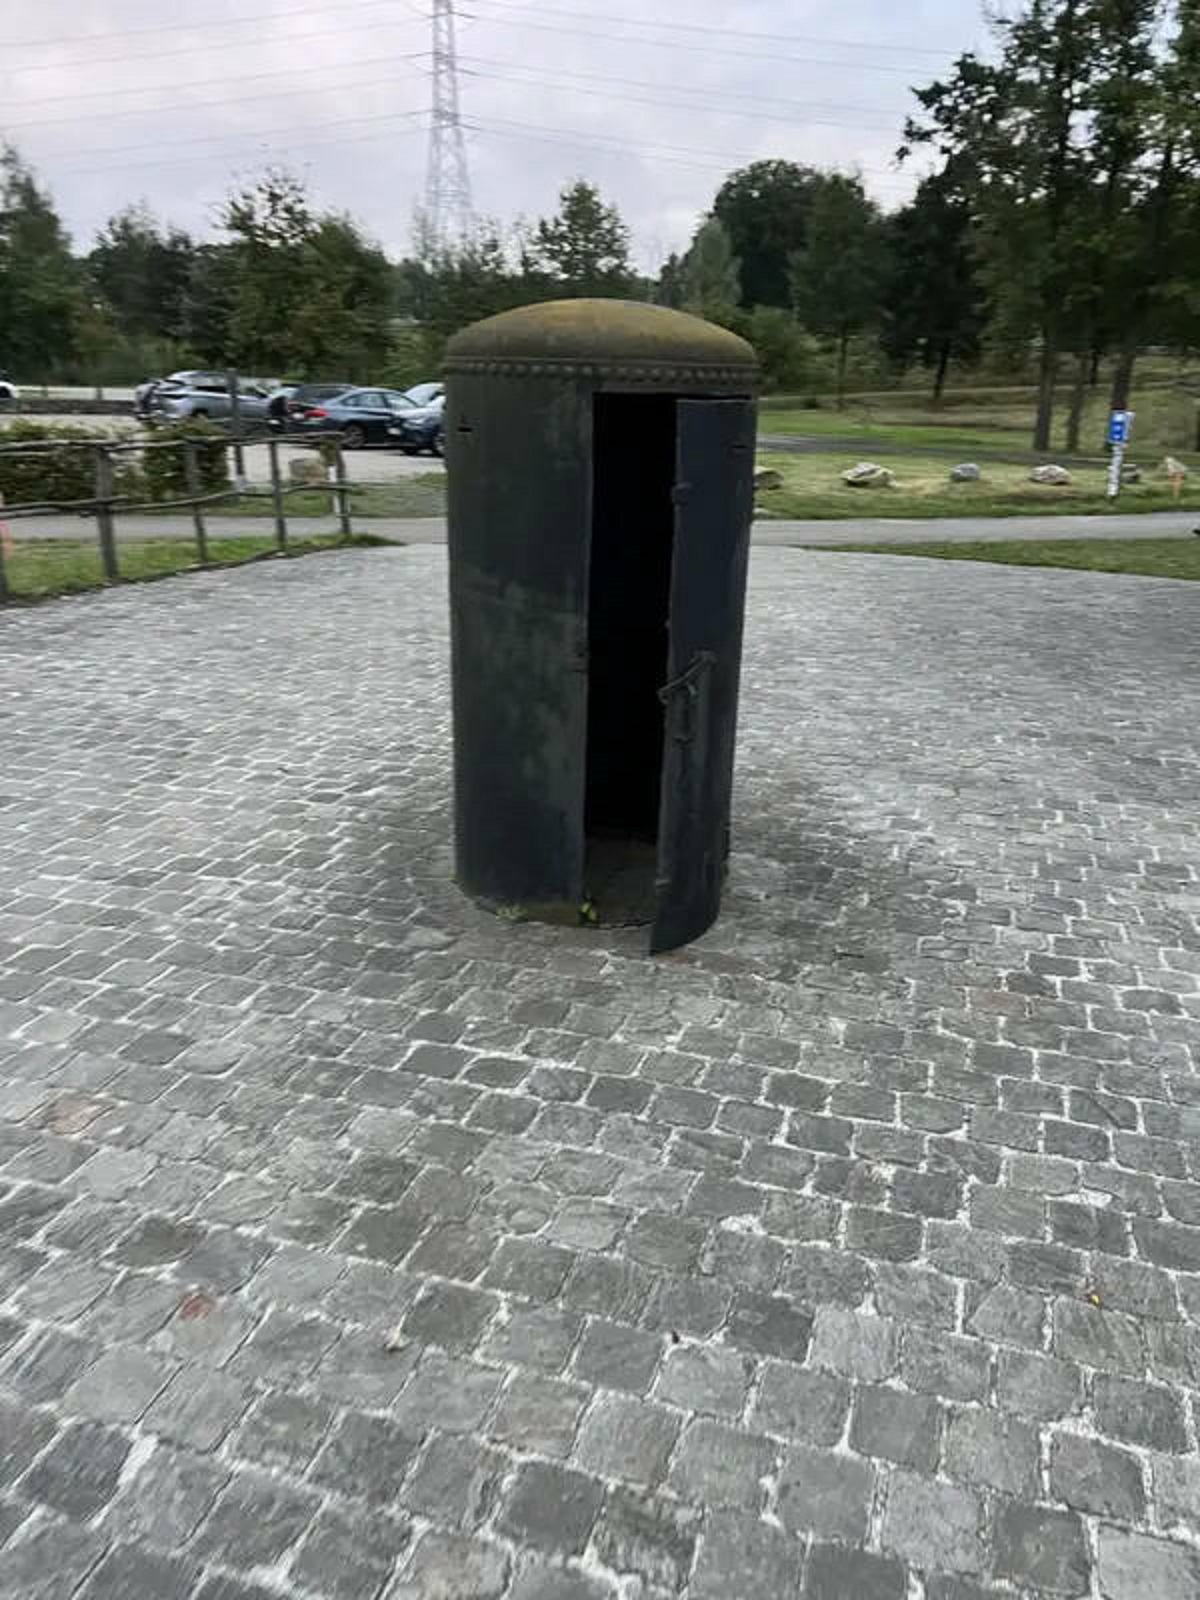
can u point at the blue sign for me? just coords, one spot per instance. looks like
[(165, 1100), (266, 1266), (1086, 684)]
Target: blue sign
[(1120, 426)]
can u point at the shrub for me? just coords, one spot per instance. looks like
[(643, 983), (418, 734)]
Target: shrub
[(57, 475), (166, 470)]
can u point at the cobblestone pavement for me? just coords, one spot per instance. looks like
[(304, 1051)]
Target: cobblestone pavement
[(355, 1244)]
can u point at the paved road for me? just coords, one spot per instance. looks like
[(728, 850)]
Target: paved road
[(858, 530), (355, 1243)]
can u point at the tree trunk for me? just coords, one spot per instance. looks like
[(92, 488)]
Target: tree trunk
[(1094, 368), (843, 341), (1123, 378), (1079, 389), (939, 381), (1047, 372)]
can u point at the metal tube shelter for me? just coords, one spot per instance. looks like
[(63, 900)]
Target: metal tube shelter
[(600, 460)]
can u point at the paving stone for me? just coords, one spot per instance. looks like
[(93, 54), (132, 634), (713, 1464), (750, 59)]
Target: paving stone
[(78, 1475), (825, 1494), (347, 1556), (720, 1466), (255, 1522), (1037, 1386), (625, 1438), (119, 1386), (551, 1508), (166, 1500), (541, 1338), (898, 1427), (1134, 1566), (614, 1356), (1141, 1413), (933, 1526), (649, 1538), (769, 1326), (539, 1414), (706, 1378), (456, 1482), (834, 1573), (47, 1558), (1043, 1549), (447, 1566), (443, 1392), (25, 1433), (449, 1315), (742, 1558), (131, 1572), (992, 1452), (808, 1406), (1091, 1476), (947, 1365), (859, 1346), (198, 1408), (366, 1458), (537, 1581)]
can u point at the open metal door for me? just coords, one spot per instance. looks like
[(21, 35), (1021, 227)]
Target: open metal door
[(714, 504)]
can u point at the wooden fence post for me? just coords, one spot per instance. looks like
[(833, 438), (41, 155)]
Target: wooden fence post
[(104, 515), (277, 494), (191, 471)]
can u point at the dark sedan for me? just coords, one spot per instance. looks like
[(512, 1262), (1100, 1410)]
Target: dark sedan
[(361, 416), (422, 428)]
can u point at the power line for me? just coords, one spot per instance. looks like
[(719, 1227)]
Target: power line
[(731, 33), (188, 27), (340, 32), (708, 92), (241, 137), (678, 154), (801, 113), (207, 83), (264, 149)]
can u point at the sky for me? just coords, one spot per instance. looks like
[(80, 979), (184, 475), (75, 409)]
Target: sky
[(112, 104)]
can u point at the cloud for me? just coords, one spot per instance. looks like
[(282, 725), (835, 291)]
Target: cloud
[(112, 104)]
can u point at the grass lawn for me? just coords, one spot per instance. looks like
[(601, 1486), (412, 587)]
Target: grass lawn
[(421, 496), (813, 487), (37, 570), (1150, 558), (998, 419)]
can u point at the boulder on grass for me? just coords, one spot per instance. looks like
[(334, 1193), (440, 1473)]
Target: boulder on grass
[(768, 478), (1050, 472), (868, 475), (1131, 473), (306, 469), (1174, 468), (965, 472)]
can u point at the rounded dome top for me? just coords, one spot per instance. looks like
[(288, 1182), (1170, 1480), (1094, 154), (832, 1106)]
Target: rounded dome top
[(605, 335)]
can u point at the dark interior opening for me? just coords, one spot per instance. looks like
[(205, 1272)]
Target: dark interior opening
[(628, 606)]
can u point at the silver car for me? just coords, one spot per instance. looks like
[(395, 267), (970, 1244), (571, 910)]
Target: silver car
[(206, 394)]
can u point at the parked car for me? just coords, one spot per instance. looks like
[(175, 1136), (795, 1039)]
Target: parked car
[(422, 428), (423, 394), (361, 416), (306, 395), (9, 393), (206, 394)]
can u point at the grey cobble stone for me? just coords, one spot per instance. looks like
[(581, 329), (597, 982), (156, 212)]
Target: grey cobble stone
[(288, 1123), (551, 1508), (78, 1475)]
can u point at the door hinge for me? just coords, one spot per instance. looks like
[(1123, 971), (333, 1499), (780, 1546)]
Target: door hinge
[(683, 692), (681, 494)]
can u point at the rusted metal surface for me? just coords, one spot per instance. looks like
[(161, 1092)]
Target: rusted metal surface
[(571, 426)]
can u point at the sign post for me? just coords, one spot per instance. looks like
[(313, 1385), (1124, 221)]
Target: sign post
[(1120, 429)]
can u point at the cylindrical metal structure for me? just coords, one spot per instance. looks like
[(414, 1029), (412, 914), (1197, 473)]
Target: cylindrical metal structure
[(600, 459)]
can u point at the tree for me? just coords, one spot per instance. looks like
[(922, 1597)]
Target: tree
[(141, 273), (711, 283), (934, 307), (838, 276), (209, 298), (41, 290), (301, 293), (584, 249), (1026, 134), (764, 209), (669, 290)]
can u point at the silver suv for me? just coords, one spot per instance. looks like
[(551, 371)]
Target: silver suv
[(205, 394)]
